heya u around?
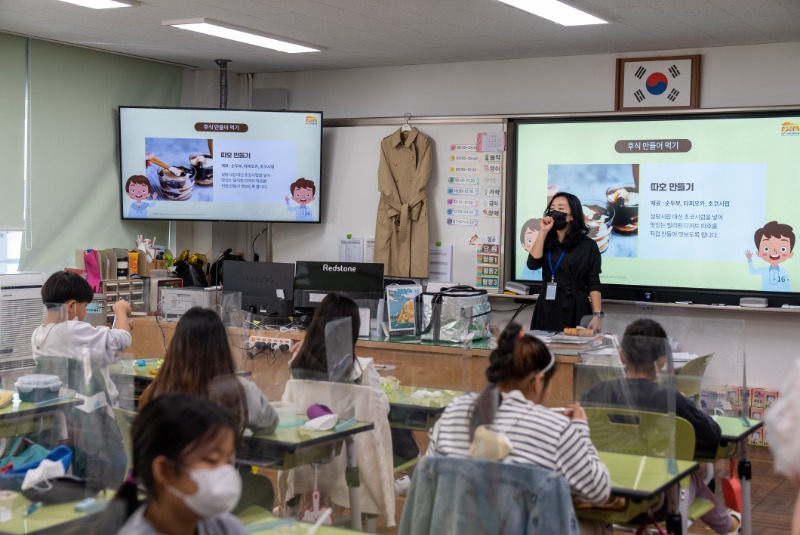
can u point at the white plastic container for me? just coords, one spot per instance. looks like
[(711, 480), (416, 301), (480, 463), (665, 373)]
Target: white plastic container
[(37, 387), (287, 412)]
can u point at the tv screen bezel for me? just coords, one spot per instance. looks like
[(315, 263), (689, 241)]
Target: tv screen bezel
[(636, 293), (320, 189)]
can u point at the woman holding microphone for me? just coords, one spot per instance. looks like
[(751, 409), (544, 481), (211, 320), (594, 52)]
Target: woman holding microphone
[(570, 263)]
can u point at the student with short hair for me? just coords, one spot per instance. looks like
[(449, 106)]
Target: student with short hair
[(183, 452), (75, 338), (643, 352)]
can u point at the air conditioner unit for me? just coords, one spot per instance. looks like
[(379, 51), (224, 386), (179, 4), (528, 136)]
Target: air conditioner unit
[(21, 311)]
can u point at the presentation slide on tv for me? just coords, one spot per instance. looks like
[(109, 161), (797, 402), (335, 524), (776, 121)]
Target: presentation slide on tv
[(220, 165), (706, 203)]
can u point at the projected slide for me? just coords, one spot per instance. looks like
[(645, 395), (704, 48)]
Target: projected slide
[(701, 203), (220, 164)]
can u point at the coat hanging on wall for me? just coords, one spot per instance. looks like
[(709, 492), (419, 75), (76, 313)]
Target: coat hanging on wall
[(401, 229)]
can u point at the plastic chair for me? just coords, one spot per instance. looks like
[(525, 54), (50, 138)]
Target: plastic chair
[(689, 377), (373, 448), (464, 495), (641, 433), (99, 451)]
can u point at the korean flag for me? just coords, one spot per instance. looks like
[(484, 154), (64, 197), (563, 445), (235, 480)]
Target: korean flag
[(650, 84)]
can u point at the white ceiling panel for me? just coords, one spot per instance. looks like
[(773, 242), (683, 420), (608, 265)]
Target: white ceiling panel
[(367, 33)]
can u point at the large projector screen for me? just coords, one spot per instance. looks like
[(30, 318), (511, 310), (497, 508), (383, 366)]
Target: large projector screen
[(678, 205)]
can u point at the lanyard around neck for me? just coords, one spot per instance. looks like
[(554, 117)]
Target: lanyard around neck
[(553, 269)]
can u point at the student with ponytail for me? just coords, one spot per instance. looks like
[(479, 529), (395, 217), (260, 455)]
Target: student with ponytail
[(183, 450), (519, 373)]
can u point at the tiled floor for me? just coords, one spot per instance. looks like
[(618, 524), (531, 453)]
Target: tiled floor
[(772, 495)]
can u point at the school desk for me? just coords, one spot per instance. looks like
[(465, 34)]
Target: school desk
[(292, 446), (417, 408), (642, 478), (24, 418), (51, 519), (738, 430)]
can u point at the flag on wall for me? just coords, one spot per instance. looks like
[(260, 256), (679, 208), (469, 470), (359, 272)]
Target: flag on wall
[(657, 83)]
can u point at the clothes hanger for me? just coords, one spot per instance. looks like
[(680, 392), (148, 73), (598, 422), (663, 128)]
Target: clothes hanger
[(406, 127)]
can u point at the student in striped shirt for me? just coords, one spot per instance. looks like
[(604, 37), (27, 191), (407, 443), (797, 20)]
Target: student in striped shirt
[(519, 372)]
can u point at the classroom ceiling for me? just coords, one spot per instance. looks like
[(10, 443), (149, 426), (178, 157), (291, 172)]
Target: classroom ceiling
[(372, 33)]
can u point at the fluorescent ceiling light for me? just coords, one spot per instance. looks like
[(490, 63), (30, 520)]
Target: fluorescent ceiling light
[(556, 11), (102, 4), (235, 33)]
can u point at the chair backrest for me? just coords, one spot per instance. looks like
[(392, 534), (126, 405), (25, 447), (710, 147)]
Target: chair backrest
[(689, 377), (464, 495), (639, 432)]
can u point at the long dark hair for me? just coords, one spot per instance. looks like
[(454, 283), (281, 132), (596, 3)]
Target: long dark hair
[(199, 362), (577, 228), (311, 361), (515, 357), (172, 425)]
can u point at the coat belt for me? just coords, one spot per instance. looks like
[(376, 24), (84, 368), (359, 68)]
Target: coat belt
[(407, 211)]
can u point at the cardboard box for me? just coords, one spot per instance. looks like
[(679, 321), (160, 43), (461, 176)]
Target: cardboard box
[(759, 397), (756, 413), (770, 397), (745, 393), (757, 438), (732, 395), (146, 267)]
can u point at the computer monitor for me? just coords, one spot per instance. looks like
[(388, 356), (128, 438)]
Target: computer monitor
[(267, 287), (314, 280)]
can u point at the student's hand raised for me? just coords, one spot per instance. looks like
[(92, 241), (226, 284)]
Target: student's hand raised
[(546, 224), (122, 307)]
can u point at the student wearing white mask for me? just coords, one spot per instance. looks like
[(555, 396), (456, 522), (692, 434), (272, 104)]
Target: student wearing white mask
[(183, 449)]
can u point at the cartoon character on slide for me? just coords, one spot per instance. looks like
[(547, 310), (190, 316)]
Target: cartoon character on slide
[(527, 236), (774, 244), (139, 189), (303, 192)]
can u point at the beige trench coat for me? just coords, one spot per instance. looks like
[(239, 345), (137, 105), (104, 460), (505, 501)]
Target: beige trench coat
[(401, 229)]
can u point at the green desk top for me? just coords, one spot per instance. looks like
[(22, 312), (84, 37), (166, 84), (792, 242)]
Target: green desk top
[(428, 400), (735, 429), (48, 518), (143, 372), (268, 524), (293, 446), (642, 477), (136, 371), (24, 409)]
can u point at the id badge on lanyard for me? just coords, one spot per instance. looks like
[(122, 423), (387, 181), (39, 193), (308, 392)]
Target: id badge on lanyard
[(550, 290)]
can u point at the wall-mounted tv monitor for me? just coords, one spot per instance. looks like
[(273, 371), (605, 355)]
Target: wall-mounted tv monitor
[(267, 287), (700, 206), (220, 165), (314, 280)]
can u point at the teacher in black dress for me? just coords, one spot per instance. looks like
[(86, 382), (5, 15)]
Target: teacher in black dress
[(570, 263)]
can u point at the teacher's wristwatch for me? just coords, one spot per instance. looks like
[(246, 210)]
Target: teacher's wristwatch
[(599, 314)]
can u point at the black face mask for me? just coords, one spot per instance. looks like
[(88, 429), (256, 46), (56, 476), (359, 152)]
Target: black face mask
[(559, 219)]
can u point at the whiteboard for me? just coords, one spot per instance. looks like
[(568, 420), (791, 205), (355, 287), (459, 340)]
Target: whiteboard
[(350, 175)]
